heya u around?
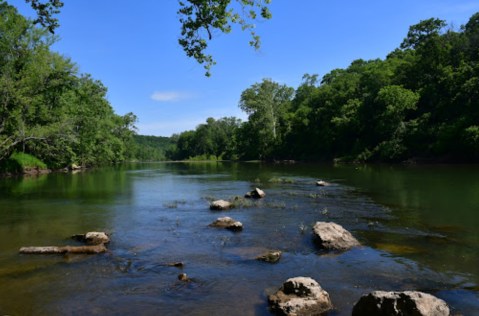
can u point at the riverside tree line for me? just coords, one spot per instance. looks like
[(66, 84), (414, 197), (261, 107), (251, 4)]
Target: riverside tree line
[(47, 108), (421, 101)]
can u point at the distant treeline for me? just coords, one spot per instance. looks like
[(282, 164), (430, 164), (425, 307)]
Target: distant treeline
[(49, 110), (422, 101), (151, 148)]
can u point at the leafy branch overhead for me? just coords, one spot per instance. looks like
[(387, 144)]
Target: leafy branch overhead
[(45, 12), (200, 18)]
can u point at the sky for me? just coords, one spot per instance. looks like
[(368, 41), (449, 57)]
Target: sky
[(132, 47)]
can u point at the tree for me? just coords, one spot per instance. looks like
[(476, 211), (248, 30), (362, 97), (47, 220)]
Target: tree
[(267, 104), (199, 19), (45, 13), (47, 109), (421, 32)]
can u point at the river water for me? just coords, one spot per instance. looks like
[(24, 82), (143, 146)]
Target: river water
[(419, 226)]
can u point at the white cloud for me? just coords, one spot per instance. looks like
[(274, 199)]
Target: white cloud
[(169, 96)]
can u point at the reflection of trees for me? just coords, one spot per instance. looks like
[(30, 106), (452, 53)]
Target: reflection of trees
[(46, 209)]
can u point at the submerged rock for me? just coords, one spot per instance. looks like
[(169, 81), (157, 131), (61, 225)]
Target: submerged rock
[(255, 194), (220, 205), (183, 277), (228, 223), (331, 236), (176, 264), (300, 296), (272, 256), (400, 303)]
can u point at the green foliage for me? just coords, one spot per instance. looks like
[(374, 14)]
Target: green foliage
[(200, 18), (423, 31), (45, 12), (151, 148), (47, 108), (267, 104), (215, 140), (18, 162), (421, 101)]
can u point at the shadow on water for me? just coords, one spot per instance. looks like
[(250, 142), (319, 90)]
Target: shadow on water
[(158, 214)]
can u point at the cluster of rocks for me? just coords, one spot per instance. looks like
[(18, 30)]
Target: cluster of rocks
[(222, 205), (299, 295), (304, 296)]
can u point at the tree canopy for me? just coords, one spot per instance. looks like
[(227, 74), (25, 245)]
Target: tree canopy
[(47, 108)]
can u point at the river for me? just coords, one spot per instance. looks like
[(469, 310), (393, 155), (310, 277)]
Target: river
[(419, 227)]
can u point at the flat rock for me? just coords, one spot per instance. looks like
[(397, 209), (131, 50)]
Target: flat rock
[(220, 205), (331, 236), (228, 223), (255, 194), (300, 296), (400, 303)]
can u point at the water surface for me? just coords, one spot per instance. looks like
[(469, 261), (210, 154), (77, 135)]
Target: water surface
[(418, 226)]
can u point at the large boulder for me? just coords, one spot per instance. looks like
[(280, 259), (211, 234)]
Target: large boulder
[(300, 296), (400, 303), (228, 223), (220, 205), (255, 194), (331, 236)]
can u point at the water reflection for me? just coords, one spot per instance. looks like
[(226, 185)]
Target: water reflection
[(158, 214)]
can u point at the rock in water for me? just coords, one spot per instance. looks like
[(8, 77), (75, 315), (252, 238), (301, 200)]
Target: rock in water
[(255, 194), (228, 223), (300, 296), (96, 238), (220, 205), (93, 238), (414, 303), (270, 256), (183, 277), (332, 236), (322, 183)]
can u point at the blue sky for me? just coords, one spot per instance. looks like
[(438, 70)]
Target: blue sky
[(132, 47)]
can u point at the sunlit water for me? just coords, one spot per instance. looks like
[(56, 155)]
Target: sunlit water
[(418, 227)]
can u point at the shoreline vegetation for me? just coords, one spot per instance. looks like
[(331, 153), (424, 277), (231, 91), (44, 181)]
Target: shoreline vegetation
[(418, 105)]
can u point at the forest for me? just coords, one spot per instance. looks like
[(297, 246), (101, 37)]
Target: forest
[(421, 103), (49, 112)]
